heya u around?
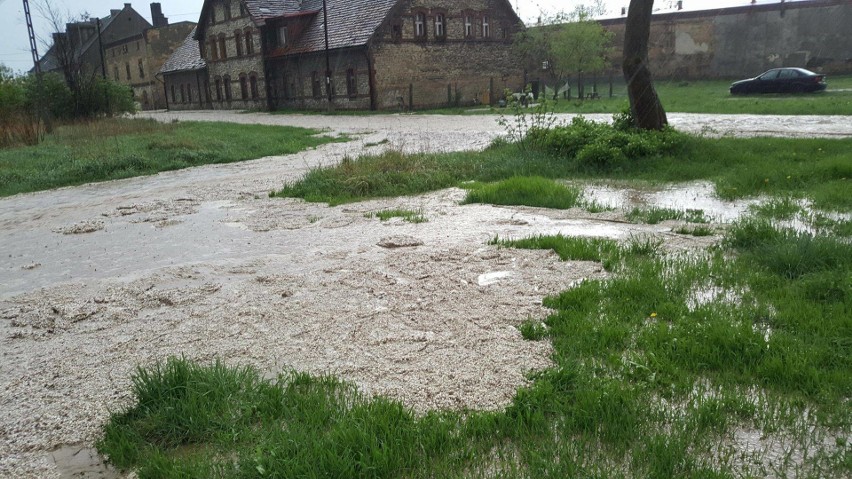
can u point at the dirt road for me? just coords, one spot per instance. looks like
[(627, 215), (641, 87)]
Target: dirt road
[(97, 279)]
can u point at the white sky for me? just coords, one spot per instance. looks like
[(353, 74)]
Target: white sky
[(14, 45)]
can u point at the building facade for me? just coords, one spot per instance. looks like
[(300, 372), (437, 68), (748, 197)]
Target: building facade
[(369, 54), (185, 78)]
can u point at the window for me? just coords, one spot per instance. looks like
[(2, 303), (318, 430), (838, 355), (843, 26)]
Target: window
[(214, 55), (137, 46), (212, 15), (243, 11), (182, 94), (218, 82), (227, 8), (420, 25), (227, 81), (249, 42), (282, 36), (189, 93), (440, 30), (174, 99), (351, 83), (141, 66), (115, 72), (316, 85), (144, 97), (243, 87), (238, 41), (468, 25), (253, 86), (223, 52), (486, 27), (396, 32), (127, 70)]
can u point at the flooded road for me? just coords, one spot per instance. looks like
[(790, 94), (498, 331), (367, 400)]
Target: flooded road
[(100, 278)]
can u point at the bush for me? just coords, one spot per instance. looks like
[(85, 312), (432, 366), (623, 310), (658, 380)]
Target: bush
[(599, 146)]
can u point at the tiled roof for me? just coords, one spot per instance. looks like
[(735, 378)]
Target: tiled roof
[(350, 23), (187, 57)]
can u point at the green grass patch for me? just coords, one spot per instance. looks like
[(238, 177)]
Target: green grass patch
[(407, 215), (527, 191), (695, 230), (120, 148), (654, 216), (817, 169)]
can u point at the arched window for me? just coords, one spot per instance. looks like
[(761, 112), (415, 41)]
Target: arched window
[(351, 83), (223, 51), (249, 42), (214, 55), (218, 81), (253, 86), (243, 87), (238, 41), (227, 82), (141, 66)]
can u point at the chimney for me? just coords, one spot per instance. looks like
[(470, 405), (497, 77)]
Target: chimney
[(623, 11), (680, 5), (157, 17), (127, 6)]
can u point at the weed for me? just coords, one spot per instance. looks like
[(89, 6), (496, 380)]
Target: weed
[(532, 330), (407, 215), (699, 230), (655, 215)]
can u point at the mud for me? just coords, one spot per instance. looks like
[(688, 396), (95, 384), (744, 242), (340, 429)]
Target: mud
[(98, 279)]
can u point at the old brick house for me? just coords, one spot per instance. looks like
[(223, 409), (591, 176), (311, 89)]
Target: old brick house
[(376, 54), (135, 60)]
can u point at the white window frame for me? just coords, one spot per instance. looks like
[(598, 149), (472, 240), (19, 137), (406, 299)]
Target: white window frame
[(282, 36), (419, 25), (486, 27), (468, 25), (440, 23)]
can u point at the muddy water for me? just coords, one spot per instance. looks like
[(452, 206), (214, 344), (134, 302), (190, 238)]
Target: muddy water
[(97, 279)]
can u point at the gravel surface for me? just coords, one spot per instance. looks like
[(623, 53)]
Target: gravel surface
[(100, 278)]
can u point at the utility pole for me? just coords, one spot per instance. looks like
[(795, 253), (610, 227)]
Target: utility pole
[(327, 59), (39, 101), (101, 49)]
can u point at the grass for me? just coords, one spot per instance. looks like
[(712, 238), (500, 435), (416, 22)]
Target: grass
[(123, 148), (529, 191), (647, 381), (654, 216), (407, 215), (817, 169)]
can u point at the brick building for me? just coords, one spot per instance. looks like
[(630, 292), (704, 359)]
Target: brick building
[(374, 54), (135, 60)]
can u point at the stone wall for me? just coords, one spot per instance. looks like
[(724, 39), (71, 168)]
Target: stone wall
[(187, 90), (237, 63), (471, 63), (292, 80), (745, 41)]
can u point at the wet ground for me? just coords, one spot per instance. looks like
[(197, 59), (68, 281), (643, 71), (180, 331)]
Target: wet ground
[(97, 279)]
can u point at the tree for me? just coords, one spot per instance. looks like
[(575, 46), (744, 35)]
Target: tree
[(565, 43), (645, 105)]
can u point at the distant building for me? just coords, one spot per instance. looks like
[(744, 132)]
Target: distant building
[(379, 54), (185, 79), (132, 49)]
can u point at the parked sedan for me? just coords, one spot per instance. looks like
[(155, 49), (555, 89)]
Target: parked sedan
[(781, 80)]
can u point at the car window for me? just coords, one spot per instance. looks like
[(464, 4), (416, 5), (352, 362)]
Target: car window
[(770, 75), (788, 74)]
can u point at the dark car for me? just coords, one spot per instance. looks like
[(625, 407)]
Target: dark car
[(781, 80)]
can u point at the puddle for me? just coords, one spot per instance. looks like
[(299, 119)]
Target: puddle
[(525, 225), (77, 461), (690, 196)]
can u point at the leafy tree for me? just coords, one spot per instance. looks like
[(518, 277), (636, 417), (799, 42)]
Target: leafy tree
[(564, 44), (645, 106)]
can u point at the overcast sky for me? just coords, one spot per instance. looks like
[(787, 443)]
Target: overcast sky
[(14, 45)]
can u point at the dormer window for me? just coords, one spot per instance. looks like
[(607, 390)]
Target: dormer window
[(282, 36), (468, 25), (420, 25), (440, 26)]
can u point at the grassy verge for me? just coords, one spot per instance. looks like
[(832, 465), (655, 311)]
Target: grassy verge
[(817, 169), (120, 148)]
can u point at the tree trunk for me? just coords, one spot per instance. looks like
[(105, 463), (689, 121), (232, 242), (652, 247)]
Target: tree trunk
[(647, 111)]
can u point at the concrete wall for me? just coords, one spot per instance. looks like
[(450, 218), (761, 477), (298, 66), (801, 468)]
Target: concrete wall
[(745, 41)]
